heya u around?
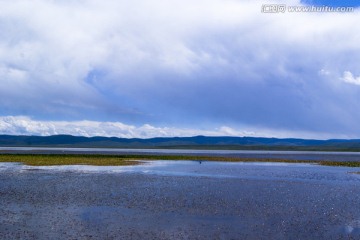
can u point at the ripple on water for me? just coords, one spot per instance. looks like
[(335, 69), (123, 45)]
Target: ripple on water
[(239, 170)]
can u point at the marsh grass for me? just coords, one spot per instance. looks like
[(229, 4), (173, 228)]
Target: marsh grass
[(51, 160), (125, 160)]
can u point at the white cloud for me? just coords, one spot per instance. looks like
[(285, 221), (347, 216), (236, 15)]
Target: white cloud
[(20, 125), (348, 77), (324, 72), (150, 61)]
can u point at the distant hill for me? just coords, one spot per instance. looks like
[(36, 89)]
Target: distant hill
[(198, 142)]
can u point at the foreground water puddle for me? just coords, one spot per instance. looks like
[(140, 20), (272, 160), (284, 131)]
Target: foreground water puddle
[(353, 229)]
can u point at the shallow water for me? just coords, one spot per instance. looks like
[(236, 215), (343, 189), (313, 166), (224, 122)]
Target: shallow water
[(236, 170), (180, 200)]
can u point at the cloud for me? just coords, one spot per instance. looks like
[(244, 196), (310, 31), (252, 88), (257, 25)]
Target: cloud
[(188, 64), (348, 77), (344, 3), (21, 125)]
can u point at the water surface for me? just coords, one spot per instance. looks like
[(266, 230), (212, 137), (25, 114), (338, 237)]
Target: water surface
[(180, 200)]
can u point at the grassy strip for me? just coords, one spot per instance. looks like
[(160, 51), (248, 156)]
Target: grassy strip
[(124, 160), (338, 164), (52, 160)]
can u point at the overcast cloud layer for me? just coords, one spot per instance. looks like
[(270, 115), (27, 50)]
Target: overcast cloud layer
[(165, 68)]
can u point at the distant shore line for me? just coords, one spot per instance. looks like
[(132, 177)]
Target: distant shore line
[(126, 160)]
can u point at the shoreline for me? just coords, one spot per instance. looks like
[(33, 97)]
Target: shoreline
[(126, 160)]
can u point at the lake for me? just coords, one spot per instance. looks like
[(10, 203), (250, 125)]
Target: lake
[(180, 200)]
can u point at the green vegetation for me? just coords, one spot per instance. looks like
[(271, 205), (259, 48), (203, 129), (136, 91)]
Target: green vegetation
[(339, 164), (58, 159), (124, 160)]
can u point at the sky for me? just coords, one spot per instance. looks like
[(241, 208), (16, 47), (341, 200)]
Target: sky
[(152, 68)]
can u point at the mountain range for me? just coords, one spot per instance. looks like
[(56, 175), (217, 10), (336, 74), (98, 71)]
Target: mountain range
[(197, 142)]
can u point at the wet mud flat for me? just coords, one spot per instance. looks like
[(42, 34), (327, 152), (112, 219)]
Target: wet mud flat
[(180, 200)]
